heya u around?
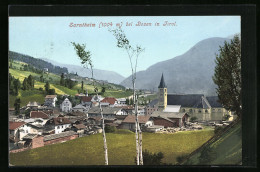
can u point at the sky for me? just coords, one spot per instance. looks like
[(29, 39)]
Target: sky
[(51, 37)]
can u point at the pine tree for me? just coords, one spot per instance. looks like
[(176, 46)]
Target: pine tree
[(47, 87), (228, 76), (17, 106)]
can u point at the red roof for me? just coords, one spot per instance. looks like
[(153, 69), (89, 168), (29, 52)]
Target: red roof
[(40, 114), (86, 99), (110, 100), (141, 119), (50, 96), (61, 121), (15, 125)]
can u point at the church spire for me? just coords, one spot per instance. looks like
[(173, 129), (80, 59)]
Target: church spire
[(162, 83)]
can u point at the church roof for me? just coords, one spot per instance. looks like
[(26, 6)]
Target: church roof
[(187, 100), (162, 83), (153, 103), (214, 102)]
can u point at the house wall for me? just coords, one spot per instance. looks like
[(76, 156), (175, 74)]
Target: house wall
[(163, 122), (150, 110), (58, 140), (61, 128)]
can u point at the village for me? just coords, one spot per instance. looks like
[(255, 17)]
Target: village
[(50, 123)]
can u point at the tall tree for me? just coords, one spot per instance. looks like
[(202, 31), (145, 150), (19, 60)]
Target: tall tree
[(25, 84), (17, 86), (62, 82), (133, 54), (47, 87), (17, 103), (82, 85), (85, 57), (227, 75)]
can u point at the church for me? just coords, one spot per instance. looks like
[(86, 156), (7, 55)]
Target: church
[(198, 105)]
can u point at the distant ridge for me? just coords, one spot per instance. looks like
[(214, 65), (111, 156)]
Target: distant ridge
[(99, 74), (37, 63), (189, 73)]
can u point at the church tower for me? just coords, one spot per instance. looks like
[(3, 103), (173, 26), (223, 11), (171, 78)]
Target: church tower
[(162, 94)]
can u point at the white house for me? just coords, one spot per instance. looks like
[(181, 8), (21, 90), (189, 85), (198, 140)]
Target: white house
[(59, 124), (50, 100), (66, 105), (17, 130)]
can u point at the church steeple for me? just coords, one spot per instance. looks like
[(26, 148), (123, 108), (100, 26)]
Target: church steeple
[(162, 83), (162, 94)]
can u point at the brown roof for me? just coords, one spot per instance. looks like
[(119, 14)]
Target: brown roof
[(96, 118), (15, 125), (110, 100), (128, 107), (86, 99), (80, 126), (40, 114), (131, 119), (50, 96), (61, 121), (77, 113)]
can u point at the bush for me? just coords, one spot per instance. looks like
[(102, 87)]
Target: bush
[(207, 156), (193, 119), (180, 158), (110, 129), (218, 129), (152, 158)]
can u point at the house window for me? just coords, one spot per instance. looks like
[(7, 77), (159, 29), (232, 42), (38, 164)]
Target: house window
[(206, 111), (190, 110), (58, 127), (199, 110), (183, 110)]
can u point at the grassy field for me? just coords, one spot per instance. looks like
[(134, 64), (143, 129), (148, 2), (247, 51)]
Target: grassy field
[(117, 93), (227, 149), (121, 149)]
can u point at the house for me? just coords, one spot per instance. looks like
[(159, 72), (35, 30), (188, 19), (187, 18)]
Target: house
[(38, 114), (33, 105), (151, 107), (59, 137), (86, 101), (50, 100), (170, 119), (129, 122), (110, 100), (77, 114), (59, 124), (121, 101), (17, 130), (36, 124), (95, 100), (79, 128), (66, 105), (108, 112), (80, 108)]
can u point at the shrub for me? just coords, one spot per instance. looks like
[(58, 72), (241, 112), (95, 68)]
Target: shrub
[(152, 158), (193, 119), (218, 129), (110, 129), (180, 158), (207, 156)]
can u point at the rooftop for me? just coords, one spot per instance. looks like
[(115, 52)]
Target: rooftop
[(60, 135), (15, 125), (141, 119), (38, 114)]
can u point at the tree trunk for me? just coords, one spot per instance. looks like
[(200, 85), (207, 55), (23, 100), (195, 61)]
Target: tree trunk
[(104, 134), (140, 145), (136, 126)]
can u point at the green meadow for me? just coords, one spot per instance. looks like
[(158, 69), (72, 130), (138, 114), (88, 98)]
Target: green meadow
[(121, 149)]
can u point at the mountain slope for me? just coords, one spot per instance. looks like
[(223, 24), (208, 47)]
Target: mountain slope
[(37, 63), (110, 76), (190, 73)]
